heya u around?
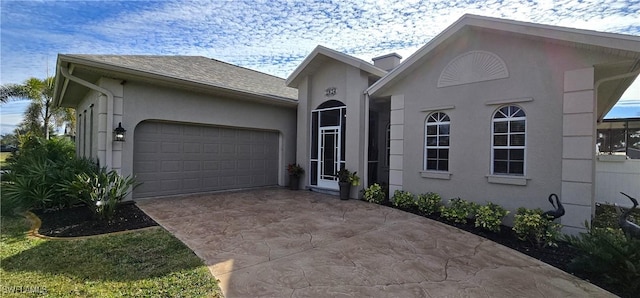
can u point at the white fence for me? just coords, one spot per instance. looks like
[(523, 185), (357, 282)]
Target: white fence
[(614, 174)]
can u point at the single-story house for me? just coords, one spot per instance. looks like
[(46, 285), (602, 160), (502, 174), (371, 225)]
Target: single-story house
[(193, 124), (488, 110)]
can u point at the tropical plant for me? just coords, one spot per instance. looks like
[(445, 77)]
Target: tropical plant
[(458, 210), (295, 170), (402, 199), (374, 194), (530, 225), (37, 175), (608, 254), (429, 202), (41, 115), (490, 216), (102, 191), (33, 172), (345, 175)]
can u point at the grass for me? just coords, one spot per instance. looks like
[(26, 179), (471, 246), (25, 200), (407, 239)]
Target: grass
[(3, 158), (150, 263)]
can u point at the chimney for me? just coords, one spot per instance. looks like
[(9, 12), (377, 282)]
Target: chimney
[(387, 62)]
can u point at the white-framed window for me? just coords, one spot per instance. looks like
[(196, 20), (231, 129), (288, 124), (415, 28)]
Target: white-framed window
[(509, 141), (436, 142)]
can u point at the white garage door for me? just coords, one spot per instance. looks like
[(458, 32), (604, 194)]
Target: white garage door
[(173, 158)]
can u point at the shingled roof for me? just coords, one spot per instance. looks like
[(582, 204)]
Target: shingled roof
[(196, 69)]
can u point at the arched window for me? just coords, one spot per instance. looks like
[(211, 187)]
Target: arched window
[(508, 144), (436, 142)]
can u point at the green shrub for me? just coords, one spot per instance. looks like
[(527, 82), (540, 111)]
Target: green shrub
[(607, 253), (429, 202), (37, 174), (402, 199), (490, 216), (374, 194), (102, 191), (530, 225), (458, 210)]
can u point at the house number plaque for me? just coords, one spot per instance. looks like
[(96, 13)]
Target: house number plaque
[(331, 91)]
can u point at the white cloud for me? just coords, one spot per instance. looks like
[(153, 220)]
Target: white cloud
[(271, 36)]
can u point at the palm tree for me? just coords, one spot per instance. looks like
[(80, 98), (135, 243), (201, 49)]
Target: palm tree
[(41, 113)]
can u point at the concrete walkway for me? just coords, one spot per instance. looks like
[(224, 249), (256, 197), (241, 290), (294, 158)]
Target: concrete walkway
[(281, 243)]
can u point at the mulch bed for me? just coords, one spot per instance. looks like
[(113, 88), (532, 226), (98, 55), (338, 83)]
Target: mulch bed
[(79, 221)]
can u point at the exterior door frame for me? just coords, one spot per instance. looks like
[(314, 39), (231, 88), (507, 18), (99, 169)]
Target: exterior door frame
[(324, 175)]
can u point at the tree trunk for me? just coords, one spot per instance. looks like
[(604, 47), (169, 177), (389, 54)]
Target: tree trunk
[(46, 119)]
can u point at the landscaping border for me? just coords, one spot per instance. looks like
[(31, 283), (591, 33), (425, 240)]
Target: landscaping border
[(36, 223)]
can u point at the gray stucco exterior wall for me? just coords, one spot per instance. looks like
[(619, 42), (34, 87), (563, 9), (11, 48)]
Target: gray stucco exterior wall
[(535, 83)]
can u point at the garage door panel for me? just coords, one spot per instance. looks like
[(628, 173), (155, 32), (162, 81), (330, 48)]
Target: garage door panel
[(171, 147), (171, 166), (211, 165), (192, 147), (210, 148), (169, 185), (171, 158), (192, 166), (171, 129), (147, 167)]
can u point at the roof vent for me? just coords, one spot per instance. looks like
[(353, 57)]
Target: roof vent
[(387, 62)]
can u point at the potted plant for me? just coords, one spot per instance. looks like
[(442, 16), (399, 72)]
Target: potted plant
[(295, 172), (345, 180)]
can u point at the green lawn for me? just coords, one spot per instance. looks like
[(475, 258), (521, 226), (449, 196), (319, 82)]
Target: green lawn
[(149, 263)]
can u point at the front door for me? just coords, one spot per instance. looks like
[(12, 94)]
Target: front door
[(329, 152), (327, 144)]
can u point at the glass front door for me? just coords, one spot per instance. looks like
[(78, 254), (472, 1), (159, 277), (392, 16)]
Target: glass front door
[(329, 156), (327, 144)]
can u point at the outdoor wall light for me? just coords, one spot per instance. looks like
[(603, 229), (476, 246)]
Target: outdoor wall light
[(119, 133)]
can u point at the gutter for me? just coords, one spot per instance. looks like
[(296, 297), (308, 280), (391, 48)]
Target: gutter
[(109, 149), (613, 78)]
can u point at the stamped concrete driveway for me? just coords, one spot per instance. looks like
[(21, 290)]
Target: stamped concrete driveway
[(281, 243)]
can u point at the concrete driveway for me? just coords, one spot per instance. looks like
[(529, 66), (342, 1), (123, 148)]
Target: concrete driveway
[(281, 243)]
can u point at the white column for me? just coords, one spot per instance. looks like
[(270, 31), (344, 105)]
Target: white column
[(397, 143), (578, 149)]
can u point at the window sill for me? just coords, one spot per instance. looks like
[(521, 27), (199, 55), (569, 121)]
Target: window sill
[(436, 175), (612, 158), (510, 180)]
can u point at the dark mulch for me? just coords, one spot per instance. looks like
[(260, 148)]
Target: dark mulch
[(79, 221)]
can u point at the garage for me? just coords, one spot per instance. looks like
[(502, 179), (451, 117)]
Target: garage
[(178, 158)]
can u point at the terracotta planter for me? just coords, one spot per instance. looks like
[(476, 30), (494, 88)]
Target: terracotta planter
[(294, 182), (345, 190)]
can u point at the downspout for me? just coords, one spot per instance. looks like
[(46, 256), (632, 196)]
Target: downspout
[(365, 172), (616, 77), (109, 150)]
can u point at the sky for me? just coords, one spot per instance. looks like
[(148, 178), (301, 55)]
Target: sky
[(271, 36)]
